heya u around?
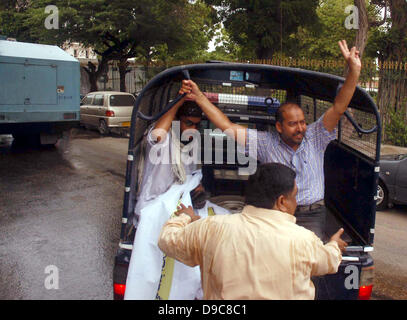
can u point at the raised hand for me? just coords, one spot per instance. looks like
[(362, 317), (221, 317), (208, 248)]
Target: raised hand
[(192, 90), (351, 56)]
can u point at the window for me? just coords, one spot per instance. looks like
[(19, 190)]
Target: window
[(121, 100), (88, 99), (98, 101)]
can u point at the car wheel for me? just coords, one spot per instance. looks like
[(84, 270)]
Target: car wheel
[(103, 128), (382, 197)]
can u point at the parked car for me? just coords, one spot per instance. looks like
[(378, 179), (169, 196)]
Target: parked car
[(249, 94), (392, 187), (107, 111)]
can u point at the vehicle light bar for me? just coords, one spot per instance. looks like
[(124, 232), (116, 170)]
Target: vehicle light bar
[(241, 99)]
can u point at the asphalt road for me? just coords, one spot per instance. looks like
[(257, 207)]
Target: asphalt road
[(390, 247), (60, 209), (390, 254)]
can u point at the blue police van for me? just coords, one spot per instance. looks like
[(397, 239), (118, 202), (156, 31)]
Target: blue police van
[(249, 94)]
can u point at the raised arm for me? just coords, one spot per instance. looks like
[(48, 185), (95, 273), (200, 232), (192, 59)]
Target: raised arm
[(342, 100), (328, 257), (180, 239), (217, 117), (164, 123)]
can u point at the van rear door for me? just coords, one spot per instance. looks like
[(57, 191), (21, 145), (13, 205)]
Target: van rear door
[(40, 84), (352, 172), (35, 83)]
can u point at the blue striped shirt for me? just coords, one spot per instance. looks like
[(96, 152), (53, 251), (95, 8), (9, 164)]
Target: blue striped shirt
[(307, 161)]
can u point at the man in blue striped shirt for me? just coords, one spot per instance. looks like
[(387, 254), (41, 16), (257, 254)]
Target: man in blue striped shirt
[(294, 144), (305, 157)]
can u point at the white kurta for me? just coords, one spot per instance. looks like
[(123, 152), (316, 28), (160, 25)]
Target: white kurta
[(151, 275), (157, 178)]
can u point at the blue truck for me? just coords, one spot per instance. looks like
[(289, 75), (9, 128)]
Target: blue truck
[(39, 92)]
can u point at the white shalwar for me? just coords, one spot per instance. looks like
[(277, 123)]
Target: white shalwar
[(151, 274)]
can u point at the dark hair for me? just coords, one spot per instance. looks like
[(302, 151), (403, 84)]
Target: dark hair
[(282, 108), (270, 181), (189, 109)]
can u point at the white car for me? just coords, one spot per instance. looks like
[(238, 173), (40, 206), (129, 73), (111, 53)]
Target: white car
[(107, 110)]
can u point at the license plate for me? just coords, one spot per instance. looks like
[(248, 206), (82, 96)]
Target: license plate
[(126, 124)]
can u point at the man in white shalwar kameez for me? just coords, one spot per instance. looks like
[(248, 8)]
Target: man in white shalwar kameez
[(163, 162), (169, 176)]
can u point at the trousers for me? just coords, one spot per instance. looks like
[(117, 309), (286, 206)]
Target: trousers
[(314, 220)]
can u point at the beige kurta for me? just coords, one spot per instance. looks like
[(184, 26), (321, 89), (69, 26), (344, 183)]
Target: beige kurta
[(257, 254)]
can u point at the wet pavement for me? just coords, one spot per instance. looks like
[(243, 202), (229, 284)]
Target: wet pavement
[(60, 208), (390, 254)]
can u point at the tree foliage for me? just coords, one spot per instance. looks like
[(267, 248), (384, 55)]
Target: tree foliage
[(262, 27), (117, 30), (320, 41), (396, 129), (389, 41)]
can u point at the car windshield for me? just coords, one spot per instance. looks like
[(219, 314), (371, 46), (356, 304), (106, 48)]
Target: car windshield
[(121, 100)]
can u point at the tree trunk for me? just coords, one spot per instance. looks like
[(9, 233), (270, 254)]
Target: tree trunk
[(93, 81), (123, 64), (363, 28), (361, 34), (360, 44), (398, 48), (94, 72), (392, 95)]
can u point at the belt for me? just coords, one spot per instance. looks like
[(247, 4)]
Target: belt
[(310, 207)]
